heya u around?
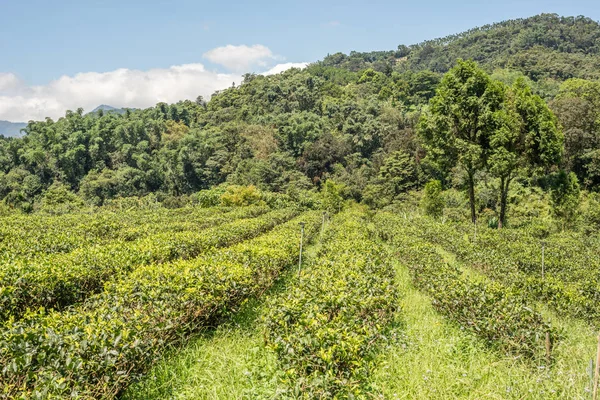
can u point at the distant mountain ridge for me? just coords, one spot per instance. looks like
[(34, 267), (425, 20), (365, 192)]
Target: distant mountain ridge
[(11, 129), (109, 109)]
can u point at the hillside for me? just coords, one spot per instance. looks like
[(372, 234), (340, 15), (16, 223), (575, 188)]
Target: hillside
[(422, 223), (353, 120), (543, 46)]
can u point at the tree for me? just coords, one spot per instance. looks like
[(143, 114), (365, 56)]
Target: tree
[(331, 195), (577, 106), (58, 199), (433, 202), (397, 174), (565, 197), (461, 118), (528, 139)]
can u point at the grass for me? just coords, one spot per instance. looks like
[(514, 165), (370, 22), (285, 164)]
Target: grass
[(435, 359), (228, 362), (439, 360)]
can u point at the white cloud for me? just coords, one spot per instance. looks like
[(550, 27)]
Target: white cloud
[(241, 58), (8, 81), (283, 67), (119, 88)]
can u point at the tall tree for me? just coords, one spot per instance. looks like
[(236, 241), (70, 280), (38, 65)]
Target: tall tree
[(528, 139), (461, 118), (565, 197)]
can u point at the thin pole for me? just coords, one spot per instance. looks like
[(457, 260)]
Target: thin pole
[(301, 244), (597, 371), (591, 374), (475, 235), (543, 248), (548, 347)]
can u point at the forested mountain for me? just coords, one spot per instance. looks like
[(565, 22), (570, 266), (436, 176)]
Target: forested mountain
[(352, 119), (541, 47), (11, 129)]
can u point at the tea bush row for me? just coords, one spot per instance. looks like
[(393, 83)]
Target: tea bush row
[(64, 279), (96, 350), (501, 317), (327, 329)]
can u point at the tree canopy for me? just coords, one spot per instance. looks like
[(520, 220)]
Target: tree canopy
[(351, 119)]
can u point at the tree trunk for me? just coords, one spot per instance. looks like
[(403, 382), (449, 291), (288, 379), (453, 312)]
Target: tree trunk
[(504, 182), (472, 197), (502, 204)]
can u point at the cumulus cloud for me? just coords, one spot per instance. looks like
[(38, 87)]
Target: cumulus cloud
[(8, 82), (241, 58), (119, 88)]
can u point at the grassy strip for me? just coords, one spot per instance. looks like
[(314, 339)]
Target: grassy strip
[(326, 330), (66, 279), (437, 359), (499, 316), (229, 362), (96, 351)]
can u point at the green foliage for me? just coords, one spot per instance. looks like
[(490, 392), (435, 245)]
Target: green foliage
[(433, 201), (327, 330), (240, 196), (513, 258), (348, 117), (209, 197), (565, 197), (461, 119), (332, 196), (61, 279), (544, 47), (529, 139), (58, 199), (500, 316), (97, 349), (397, 174), (577, 106)]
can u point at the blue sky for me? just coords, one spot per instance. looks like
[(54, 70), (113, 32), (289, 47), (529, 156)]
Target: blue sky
[(42, 41)]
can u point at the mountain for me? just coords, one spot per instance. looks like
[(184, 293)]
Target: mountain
[(11, 129), (108, 109), (545, 46)]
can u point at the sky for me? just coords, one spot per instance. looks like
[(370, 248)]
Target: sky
[(63, 54)]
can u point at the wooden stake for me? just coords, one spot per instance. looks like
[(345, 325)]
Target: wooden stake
[(590, 372), (543, 248), (597, 371), (548, 347), (301, 244)]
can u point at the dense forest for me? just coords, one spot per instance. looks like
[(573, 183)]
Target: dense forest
[(355, 120)]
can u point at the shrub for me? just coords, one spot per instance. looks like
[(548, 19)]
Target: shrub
[(432, 201), (241, 196)]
